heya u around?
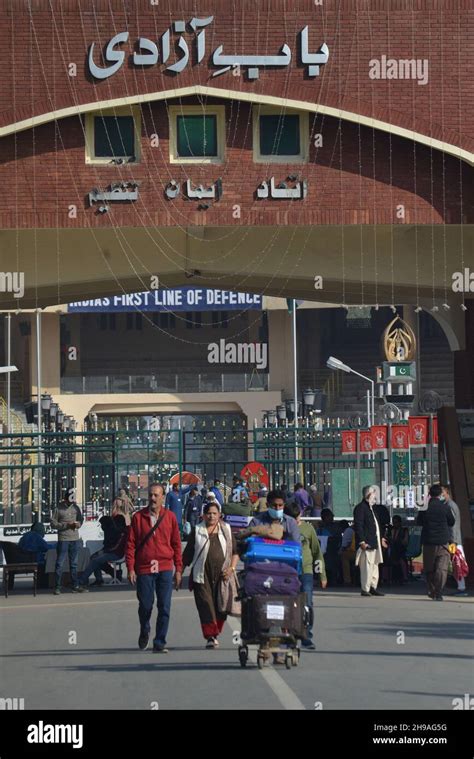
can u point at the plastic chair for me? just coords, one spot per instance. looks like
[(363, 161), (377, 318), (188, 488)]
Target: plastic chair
[(116, 565)]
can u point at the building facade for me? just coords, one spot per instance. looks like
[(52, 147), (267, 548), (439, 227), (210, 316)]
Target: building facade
[(288, 152)]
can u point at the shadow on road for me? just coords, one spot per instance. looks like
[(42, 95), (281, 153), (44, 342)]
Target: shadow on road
[(155, 663)]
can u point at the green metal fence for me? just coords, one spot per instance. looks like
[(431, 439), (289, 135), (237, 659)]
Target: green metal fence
[(35, 469)]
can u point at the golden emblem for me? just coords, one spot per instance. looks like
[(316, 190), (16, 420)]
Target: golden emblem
[(399, 341)]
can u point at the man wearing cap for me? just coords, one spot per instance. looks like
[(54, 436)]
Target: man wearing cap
[(216, 489), (211, 498)]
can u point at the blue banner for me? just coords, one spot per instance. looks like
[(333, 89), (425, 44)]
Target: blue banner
[(174, 299)]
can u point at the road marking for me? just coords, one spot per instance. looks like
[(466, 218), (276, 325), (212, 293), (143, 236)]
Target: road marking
[(281, 689), (66, 605)]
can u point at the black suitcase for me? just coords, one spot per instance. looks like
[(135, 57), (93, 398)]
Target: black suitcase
[(274, 615)]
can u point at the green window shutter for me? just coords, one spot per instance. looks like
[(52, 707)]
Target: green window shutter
[(280, 135), (114, 136), (197, 136)]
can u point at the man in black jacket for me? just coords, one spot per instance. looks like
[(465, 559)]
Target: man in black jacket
[(368, 532), (436, 521)]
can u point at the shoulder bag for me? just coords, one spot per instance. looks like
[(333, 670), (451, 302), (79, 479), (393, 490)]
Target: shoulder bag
[(227, 602), (149, 534)]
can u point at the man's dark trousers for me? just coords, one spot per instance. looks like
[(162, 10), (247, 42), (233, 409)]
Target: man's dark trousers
[(307, 587), (147, 585), (435, 565), (70, 548)]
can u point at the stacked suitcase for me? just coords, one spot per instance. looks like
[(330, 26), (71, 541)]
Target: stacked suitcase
[(274, 613), (237, 516)]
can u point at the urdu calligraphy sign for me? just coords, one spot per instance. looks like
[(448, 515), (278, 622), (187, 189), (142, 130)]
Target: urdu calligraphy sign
[(150, 52)]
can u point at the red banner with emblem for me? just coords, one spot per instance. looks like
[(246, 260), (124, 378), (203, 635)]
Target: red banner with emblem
[(418, 427), (365, 441), (400, 439), (379, 437), (256, 476), (349, 442), (435, 431)]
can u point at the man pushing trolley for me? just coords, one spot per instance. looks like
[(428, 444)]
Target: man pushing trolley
[(274, 612)]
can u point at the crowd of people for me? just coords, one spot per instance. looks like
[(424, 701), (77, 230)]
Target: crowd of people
[(334, 551)]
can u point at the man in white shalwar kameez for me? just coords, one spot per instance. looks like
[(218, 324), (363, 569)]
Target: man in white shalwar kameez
[(369, 542)]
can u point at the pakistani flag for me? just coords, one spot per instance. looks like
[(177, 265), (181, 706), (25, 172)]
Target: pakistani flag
[(403, 370), (290, 301)]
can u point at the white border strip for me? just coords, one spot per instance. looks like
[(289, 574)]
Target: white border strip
[(249, 97)]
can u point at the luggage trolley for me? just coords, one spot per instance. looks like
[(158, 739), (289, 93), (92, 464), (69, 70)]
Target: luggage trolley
[(274, 622)]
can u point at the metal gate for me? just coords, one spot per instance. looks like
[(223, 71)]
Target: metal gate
[(36, 469)]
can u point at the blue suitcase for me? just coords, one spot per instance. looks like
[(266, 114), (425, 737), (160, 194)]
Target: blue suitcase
[(284, 551)]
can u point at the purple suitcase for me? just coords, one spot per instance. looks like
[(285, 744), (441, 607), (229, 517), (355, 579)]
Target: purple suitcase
[(266, 578), (237, 522)]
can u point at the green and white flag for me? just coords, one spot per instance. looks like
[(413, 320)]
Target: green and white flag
[(290, 301)]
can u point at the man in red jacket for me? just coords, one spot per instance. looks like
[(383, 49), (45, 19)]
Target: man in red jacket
[(153, 546)]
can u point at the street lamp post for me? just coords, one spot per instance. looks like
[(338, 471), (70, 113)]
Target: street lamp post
[(8, 370), (40, 419), (335, 363), (9, 358), (295, 383)]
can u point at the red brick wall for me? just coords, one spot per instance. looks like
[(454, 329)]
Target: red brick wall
[(442, 31), (377, 175), (45, 171)]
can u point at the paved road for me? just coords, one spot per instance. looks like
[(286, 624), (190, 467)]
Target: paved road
[(360, 662)]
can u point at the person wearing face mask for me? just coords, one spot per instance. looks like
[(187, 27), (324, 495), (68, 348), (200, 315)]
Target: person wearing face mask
[(275, 514), (368, 542)]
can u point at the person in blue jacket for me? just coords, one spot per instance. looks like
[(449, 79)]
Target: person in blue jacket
[(193, 508), (34, 541), (174, 502), (216, 490)]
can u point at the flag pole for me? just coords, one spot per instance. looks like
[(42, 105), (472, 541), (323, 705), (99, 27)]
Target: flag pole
[(295, 383)]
